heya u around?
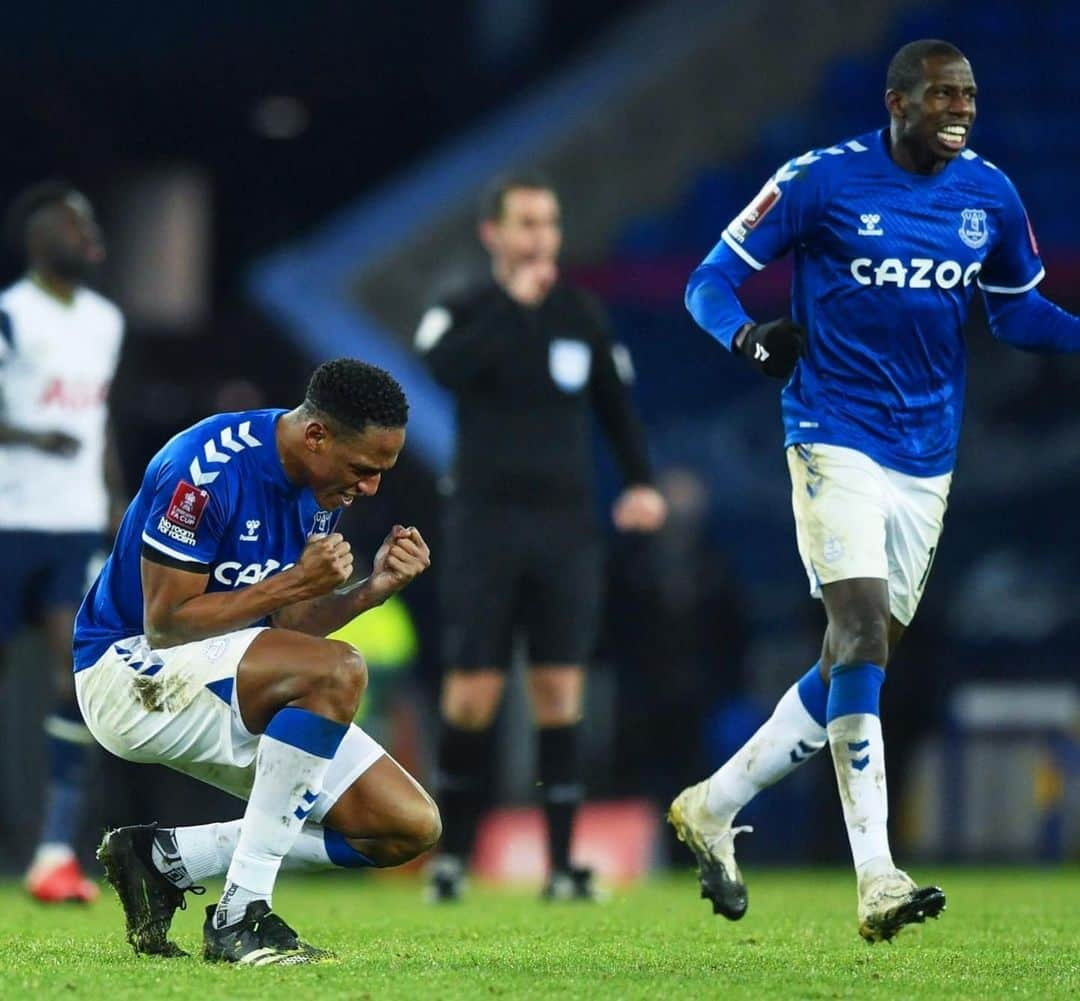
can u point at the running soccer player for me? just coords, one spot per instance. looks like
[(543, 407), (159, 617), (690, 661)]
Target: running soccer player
[(200, 646), (59, 349), (892, 232)]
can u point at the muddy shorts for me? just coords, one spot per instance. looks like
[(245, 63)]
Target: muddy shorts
[(856, 518)]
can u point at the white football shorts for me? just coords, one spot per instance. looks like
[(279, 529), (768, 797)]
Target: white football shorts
[(177, 707), (855, 518)]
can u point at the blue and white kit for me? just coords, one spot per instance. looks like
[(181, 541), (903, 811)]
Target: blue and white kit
[(214, 500), (886, 265)]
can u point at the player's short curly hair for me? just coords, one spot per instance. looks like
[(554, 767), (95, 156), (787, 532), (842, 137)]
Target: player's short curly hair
[(27, 203), (356, 395), (906, 68)]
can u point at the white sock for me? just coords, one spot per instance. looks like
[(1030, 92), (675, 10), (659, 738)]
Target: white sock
[(294, 754), (207, 850), (787, 739), (858, 753)]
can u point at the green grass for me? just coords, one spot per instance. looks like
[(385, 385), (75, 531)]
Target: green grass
[(1006, 933)]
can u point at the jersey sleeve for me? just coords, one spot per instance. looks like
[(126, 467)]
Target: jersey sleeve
[(1013, 264), (784, 212), (186, 520), (609, 384), (465, 338)]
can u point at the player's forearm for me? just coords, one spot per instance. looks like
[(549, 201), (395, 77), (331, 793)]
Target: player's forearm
[(216, 612), (712, 302), (1032, 323), (320, 616)]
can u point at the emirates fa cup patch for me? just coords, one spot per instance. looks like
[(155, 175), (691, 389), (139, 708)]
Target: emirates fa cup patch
[(187, 506)]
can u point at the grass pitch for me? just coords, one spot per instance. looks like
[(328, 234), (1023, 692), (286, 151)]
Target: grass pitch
[(1007, 933)]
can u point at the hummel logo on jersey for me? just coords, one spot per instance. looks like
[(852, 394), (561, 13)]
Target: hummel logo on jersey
[(760, 354), (252, 534), (919, 272), (213, 454), (870, 225)]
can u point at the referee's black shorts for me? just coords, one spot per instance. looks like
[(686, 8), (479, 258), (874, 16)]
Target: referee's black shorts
[(515, 570)]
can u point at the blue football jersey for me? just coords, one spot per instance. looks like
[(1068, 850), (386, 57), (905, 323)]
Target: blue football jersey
[(215, 499), (886, 264)]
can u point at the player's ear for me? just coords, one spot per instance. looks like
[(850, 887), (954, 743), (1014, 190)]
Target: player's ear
[(485, 231), (894, 104), (316, 436)]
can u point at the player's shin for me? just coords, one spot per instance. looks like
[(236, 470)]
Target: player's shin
[(294, 754), (858, 756), (793, 734), (462, 769), (71, 754)]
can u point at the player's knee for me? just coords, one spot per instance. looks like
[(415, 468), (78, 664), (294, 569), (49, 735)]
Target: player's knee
[(864, 640), (469, 716), (427, 827), (336, 685), (469, 708)]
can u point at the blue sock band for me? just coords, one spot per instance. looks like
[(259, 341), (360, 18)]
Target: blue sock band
[(342, 853), (854, 688), (307, 731), (814, 694)]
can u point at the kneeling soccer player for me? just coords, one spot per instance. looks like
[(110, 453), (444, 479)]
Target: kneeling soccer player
[(200, 647)]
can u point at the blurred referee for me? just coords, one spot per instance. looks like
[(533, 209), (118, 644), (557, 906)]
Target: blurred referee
[(527, 358)]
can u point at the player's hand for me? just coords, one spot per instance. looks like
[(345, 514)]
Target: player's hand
[(529, 283), (402, 557), (55, 442), (774, 348), (325, 563), (640, 508)]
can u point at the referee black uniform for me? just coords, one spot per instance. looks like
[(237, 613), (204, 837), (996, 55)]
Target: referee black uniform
[(522, 548), (522, 543)]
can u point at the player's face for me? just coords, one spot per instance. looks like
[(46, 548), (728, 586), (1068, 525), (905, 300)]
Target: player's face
[(529, 230), (342, 468), (935, 119), (68, 241)]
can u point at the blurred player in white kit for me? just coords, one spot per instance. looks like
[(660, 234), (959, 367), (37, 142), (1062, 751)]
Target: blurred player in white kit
[(59, 480)]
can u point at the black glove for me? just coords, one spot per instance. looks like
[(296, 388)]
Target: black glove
[(774, 348)]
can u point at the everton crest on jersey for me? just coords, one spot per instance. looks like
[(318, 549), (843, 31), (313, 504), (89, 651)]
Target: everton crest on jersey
[(214, 500), (886, 263)]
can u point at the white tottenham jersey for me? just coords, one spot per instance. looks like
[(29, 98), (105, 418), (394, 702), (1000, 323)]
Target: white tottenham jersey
[(56, 363)]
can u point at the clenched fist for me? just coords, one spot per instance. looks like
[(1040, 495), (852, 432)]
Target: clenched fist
[(402, 557), (325, 563)]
